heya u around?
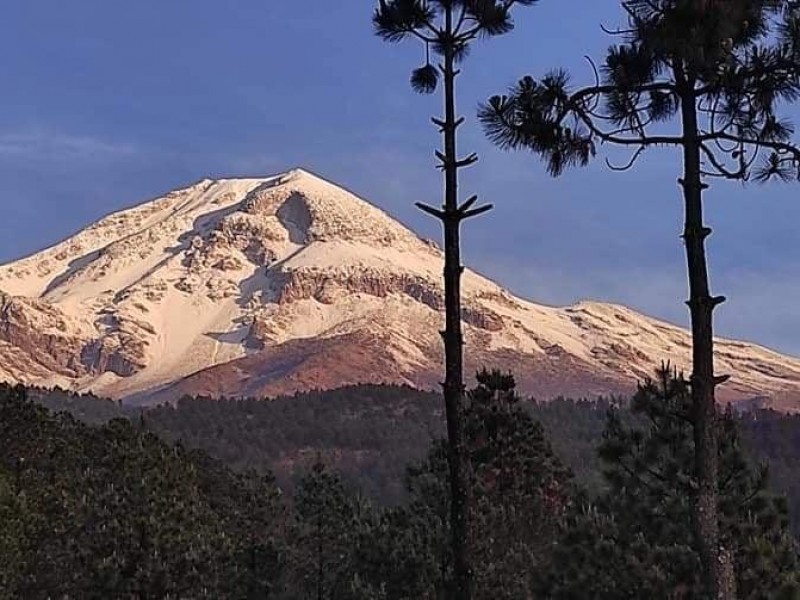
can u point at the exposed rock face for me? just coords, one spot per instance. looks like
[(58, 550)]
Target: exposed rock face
[(263, 286), (122, 357), (40, 332), (325, 285)]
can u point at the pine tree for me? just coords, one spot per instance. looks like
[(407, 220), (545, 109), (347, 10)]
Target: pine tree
[(143, 503), (254, 517), (635, 540), (399, 554), (13, 516), (328, 523), (109, 512), (520, 488), (448, 28), (717, 69)]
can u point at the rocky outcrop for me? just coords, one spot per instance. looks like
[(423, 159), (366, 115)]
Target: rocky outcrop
[(327, 286), (322, 285), (122, 354), (252, 236), (41, 333)]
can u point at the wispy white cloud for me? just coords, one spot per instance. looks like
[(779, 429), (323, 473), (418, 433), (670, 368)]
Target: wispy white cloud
[(44, 145)]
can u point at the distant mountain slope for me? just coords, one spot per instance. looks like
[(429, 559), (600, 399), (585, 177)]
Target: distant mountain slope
[(264, 286)]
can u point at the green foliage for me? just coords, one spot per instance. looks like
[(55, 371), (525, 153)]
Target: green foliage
[(13, 515), (732, 61), (774, 438), (255, 520), (370, 433), (397, 20), (327, 524), (636, 539), (89, 503), (367, 433), (520, 491), (84, 407), (113, 512), (401, 553)]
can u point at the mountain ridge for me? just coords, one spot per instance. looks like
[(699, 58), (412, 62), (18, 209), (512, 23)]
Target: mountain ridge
[(266, 286)]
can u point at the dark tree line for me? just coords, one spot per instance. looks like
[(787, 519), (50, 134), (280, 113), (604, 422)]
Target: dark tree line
[(635, 539), (368, 434), (112, 511)]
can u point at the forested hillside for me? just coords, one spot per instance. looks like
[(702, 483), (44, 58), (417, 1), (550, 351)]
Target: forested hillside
[(110, 510), (369, 434)]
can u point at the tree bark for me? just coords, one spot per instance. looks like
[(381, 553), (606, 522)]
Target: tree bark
[(320, 566), (716, 561), (453, 341)]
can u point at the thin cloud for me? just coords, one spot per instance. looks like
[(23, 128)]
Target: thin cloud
[(43, 145)]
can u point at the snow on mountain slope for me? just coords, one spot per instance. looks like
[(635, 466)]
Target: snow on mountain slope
[(259, 286)]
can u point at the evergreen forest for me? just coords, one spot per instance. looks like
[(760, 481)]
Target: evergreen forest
[(343, 494)]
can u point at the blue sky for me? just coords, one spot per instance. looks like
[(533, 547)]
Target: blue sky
[(108, 103)]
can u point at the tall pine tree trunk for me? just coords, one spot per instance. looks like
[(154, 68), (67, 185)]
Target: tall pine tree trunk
[(453, 341), (320, 562), (716, 562)]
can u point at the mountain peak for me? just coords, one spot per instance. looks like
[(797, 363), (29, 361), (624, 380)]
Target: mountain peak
[(289, 282), (323, 211), (303, 172)]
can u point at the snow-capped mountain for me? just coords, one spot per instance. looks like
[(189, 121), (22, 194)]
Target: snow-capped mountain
[(262, 286)]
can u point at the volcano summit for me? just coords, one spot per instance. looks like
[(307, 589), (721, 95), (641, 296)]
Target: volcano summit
[(263, 286)]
